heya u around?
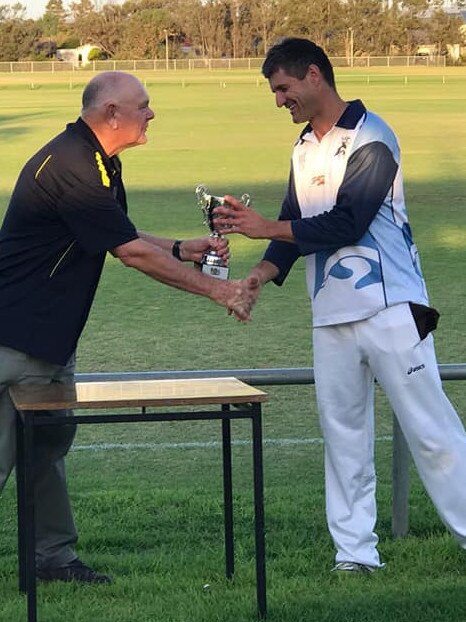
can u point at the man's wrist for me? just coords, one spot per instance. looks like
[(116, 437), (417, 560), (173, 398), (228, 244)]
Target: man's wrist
[(176, 249), (265, 272), (278, 230)]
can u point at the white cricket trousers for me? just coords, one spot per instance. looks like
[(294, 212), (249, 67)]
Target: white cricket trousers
[(347, 357)]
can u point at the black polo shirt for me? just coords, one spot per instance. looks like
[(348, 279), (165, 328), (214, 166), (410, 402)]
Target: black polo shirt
[(68, 208)]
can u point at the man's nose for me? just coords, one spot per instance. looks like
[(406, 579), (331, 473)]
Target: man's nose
[(279, 99)]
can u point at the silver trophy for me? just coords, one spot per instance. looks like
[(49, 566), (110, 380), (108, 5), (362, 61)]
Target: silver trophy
[(211, 263)]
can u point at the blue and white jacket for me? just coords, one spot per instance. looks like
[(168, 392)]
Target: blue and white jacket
[(346, 205)]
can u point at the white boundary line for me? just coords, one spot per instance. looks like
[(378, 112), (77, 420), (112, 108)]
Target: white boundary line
[(280, 442)]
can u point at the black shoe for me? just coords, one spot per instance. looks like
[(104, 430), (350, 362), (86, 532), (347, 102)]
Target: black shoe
[(74, 571)]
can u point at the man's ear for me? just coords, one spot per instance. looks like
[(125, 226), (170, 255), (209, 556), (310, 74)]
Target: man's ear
[(111, 115), (314, 74)]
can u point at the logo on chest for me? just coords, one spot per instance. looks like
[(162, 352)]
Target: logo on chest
[(318, 180), (341, 151)]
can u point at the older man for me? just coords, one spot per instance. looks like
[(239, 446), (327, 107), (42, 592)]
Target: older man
[(67, 210)]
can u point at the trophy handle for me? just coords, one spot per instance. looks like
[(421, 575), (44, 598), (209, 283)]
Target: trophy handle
[(201, 191)]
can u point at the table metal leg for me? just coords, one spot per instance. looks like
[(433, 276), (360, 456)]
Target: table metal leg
[(29, 518), (228, 496), (259, 511), (20, 499)]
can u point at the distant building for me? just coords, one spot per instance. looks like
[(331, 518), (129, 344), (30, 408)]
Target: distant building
[(79, 57), (427, 50)]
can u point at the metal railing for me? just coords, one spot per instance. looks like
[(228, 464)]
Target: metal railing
[(297, 376), (209, 64)]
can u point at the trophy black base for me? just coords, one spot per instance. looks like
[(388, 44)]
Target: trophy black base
[(218, 272)]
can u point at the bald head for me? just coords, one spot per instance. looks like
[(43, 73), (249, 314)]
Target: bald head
[(115, 105), (107, 87)]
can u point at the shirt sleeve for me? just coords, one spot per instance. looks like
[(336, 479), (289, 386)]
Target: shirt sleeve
[(284, 254), (96, 219), (369, 175)]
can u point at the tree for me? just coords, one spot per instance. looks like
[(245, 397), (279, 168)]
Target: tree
[(319, 20), (411, 25), (264, 21), (106, 27), (144, 33), (53, 22), (367, 19), (445, 30), (15, 11), (17, 39), (204, 23), (238, 26), (82, 17), (56, 9)]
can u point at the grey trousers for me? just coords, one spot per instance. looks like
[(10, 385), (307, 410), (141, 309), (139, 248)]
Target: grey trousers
[(55, 529)]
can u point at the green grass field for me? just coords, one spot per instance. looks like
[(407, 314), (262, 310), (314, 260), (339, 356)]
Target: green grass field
[(151, 514)]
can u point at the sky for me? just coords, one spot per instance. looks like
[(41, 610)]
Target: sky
[(34, 8)]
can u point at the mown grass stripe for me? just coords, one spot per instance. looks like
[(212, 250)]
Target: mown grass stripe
[(280, 442)]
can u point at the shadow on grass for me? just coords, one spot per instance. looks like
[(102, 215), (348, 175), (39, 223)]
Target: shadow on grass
[(17, 130), (359, 599)]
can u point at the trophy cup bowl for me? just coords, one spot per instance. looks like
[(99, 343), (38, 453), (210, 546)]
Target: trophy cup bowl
[(211, 263)]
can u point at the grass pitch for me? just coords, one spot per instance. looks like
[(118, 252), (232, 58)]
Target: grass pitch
[(149, 509)]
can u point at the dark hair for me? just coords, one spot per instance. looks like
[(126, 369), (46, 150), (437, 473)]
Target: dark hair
[(294, 55)]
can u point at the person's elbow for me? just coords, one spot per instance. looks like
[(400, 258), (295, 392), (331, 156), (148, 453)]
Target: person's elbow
[(352, 227), (131, 254)]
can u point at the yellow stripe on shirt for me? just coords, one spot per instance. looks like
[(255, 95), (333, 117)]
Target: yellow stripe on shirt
[(103, 170), (42, 166)]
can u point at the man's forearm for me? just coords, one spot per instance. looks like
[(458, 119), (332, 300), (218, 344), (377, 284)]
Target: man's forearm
[(165, 243), (264, 271), (156, 261)]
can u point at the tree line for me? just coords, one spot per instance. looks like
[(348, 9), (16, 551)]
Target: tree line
[(151, 29)]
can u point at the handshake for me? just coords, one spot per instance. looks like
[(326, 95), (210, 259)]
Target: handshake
[(226, 215), (239, 296)]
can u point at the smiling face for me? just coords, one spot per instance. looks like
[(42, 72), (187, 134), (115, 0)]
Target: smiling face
[(300, 97)]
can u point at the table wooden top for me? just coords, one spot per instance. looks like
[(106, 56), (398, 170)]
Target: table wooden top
[(134, 393)]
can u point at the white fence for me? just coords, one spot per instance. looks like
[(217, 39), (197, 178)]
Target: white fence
[(210, 64)]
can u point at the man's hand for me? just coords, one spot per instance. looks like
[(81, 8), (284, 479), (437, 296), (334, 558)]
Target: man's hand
[(253, 287), (194, 250), (241, 296), (235, 217)]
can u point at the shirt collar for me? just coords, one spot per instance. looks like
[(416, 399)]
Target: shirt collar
[(351, 115), (81, 128), (348, 120)]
